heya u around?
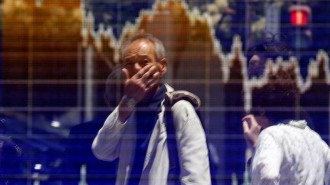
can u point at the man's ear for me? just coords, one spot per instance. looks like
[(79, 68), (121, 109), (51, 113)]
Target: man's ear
[(163, 66)]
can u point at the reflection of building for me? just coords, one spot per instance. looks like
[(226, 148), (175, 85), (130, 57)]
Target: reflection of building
[(40, 47), (116, 13), (217, 78), (222, 16), (40, 70)]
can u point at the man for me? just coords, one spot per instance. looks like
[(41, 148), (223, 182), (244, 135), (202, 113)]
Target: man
[(286, 150), (136, 132)]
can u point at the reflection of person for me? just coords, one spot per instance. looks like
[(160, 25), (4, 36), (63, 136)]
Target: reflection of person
[(80, 139), (286, 149), (135, 131), (79, 153)]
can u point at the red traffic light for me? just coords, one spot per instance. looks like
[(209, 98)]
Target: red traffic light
[(299, 15)]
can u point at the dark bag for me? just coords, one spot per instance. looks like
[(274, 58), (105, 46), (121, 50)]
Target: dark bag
[(174, 167)]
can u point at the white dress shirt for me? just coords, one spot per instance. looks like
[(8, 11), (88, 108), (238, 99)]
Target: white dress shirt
[(291, 154)]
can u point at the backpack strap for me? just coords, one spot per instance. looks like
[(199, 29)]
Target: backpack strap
[(174, 96), (170, 99)]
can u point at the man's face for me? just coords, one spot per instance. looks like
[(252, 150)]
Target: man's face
[(139, 54)]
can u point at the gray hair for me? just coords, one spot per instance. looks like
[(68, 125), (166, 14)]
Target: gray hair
[(159, 46)]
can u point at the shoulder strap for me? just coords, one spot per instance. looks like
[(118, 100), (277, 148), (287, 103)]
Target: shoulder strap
[(173, 153), (174, 96), (170, 99)]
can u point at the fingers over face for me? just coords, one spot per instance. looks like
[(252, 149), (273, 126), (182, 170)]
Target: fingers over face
[(147, 72), (250, 120), (142, 72), (126, 73), (153, 80), (245, 126), (250, 124)]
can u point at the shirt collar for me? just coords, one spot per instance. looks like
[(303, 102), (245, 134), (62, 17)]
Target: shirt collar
[(298, 123)]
